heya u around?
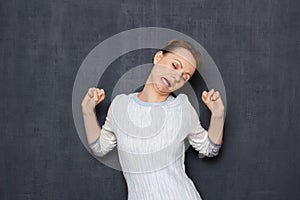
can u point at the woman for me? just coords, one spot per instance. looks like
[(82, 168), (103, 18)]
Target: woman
[(149, 127)]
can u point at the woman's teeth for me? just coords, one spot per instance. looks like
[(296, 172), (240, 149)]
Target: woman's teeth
[(166, 82)]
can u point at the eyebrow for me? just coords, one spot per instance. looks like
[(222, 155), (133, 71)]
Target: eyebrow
[(182, 66)]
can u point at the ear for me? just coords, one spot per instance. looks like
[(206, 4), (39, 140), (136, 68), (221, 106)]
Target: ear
[(157, 57)]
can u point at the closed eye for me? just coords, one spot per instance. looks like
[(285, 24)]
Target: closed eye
[(174, 65), (185, 77)]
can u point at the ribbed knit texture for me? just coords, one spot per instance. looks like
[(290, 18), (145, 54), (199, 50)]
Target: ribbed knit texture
[(150, 141)]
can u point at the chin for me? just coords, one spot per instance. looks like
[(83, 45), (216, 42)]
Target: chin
[(162, 89)]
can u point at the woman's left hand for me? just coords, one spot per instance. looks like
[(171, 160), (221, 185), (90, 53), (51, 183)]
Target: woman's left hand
[(213, 101)]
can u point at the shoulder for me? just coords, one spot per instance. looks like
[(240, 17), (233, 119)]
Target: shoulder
[(120, 99), (186, 104), (117, 104), (183, 98)]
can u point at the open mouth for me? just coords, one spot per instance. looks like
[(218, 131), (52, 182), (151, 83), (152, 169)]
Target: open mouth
[(166, 82)]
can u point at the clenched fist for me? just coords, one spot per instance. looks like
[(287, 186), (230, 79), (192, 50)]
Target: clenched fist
[(92, 98), (213, 101)]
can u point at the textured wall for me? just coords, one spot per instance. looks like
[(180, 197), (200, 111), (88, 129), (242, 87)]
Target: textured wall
[(254, 43)]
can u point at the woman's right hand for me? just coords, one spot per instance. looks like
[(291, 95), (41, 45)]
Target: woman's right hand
[(92, 98)]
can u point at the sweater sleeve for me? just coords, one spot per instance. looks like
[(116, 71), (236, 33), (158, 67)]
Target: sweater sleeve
[(198, 137), (107, 139)]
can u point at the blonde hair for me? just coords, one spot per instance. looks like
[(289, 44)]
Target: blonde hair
[(171, 45)]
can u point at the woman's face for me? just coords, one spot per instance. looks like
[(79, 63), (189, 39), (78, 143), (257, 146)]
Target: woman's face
[(172, 70)]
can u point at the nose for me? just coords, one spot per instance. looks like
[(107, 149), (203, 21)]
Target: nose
[(177, 75)]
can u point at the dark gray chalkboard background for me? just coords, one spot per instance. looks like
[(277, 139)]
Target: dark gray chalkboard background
[(255, 45)]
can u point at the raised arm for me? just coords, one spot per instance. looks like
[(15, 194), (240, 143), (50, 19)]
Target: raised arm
[(213, 101), (208, 143), (92, 98), (101, 140)]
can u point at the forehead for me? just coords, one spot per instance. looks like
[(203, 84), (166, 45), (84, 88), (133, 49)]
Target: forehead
[(183, 55)]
